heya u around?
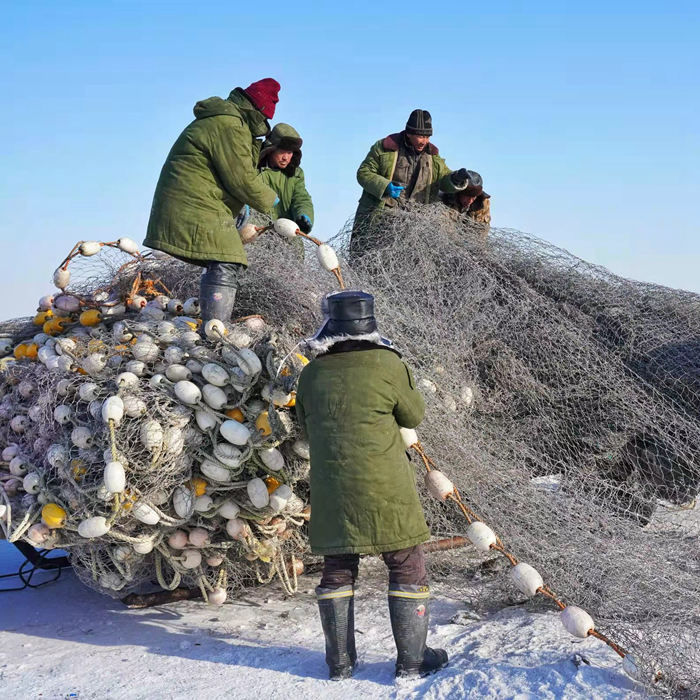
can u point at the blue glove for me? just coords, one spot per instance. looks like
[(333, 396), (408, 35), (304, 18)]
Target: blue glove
[(394, 191), (276, 202), (304, 223), (243, 216)]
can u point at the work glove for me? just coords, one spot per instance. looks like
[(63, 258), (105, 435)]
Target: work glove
[(243, 216), (394, 191), (304, 223)]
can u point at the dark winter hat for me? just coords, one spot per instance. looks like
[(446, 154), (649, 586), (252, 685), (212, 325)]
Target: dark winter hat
[(348, 314), (420, 123), (263, 94), (475, 184)]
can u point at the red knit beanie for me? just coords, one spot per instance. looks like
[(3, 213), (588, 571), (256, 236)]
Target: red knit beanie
[(263, 95)]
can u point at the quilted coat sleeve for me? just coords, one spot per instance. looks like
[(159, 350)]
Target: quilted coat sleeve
[(368, 175), (410, 407), (301, 199), (231, 154)]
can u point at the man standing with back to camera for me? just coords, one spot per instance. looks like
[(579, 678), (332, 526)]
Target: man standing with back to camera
[(351, 402)]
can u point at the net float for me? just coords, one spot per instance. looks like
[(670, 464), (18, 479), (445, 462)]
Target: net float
[(217, 596), (272, 458), (63, 414), (187, 392), (183, 502), (114, 477), (96, 526), (31, 483), (237, 528), (409, 437), (257, 492), (280, 497), (128, 245), (286, 228), (191, 306), (327, 257), (577, 621), (481, 536), (198, 537), (82, 437), (53, 516), (438, 485), (214, 396), (234, 432), (526, 578), (177, 373), (144, 513), (215, 374), (214, 471), (151, 434), (191, 558), (178, 539), (134, 407), (112, 409), (228, 454), (229, 510), (61, 277), (38, 533)]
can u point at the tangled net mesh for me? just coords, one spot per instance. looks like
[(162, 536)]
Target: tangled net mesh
[(561, 400)]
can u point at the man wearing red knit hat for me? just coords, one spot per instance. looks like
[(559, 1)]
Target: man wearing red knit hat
[(209, 174)]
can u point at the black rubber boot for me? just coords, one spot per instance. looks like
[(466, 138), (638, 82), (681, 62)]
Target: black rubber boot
[(337, 609), (217, 290), (410, 614), (216, 302)]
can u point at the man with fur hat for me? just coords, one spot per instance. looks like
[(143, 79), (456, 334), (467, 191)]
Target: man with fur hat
[(399, 169), (472, 205), (351, 401), (209, 174), (279, 164)]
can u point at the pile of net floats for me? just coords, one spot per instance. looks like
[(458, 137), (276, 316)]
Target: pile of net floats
[(149, 445)]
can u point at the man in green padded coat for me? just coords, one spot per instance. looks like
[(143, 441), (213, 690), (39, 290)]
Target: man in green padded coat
[(398, 170), (351, 402), (209, 174), (280, 167)]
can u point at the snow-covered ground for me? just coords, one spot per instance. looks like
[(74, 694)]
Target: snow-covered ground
[(66, 641)]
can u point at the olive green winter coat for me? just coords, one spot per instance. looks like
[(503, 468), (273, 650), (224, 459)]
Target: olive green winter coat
[(209, 174), (363, 492), (377, 170), (288, 184)]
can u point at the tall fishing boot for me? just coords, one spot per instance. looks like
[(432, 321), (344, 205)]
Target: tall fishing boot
[(216, 301), (337, 609), (410, 614), (217, 290)]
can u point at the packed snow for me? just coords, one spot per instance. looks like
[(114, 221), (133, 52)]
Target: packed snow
[(64, 640)]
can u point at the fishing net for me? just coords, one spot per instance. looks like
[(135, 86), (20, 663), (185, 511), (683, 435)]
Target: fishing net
[(561, 400)]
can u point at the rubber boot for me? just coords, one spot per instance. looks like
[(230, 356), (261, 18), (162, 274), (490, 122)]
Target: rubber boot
[(216, 301), (410, 614), (337, 609)]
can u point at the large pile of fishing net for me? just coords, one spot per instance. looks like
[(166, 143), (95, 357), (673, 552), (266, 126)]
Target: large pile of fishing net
[(562, 401)]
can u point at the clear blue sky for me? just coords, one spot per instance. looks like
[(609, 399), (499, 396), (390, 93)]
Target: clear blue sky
[(582, 117)]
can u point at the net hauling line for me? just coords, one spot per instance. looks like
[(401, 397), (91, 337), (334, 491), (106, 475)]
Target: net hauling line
[(526, 578)]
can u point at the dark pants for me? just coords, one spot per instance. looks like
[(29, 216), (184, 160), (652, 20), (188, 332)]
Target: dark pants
[(406, 567)]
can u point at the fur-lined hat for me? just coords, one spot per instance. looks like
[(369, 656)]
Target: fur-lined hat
[(348, 315), (286, 138)]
